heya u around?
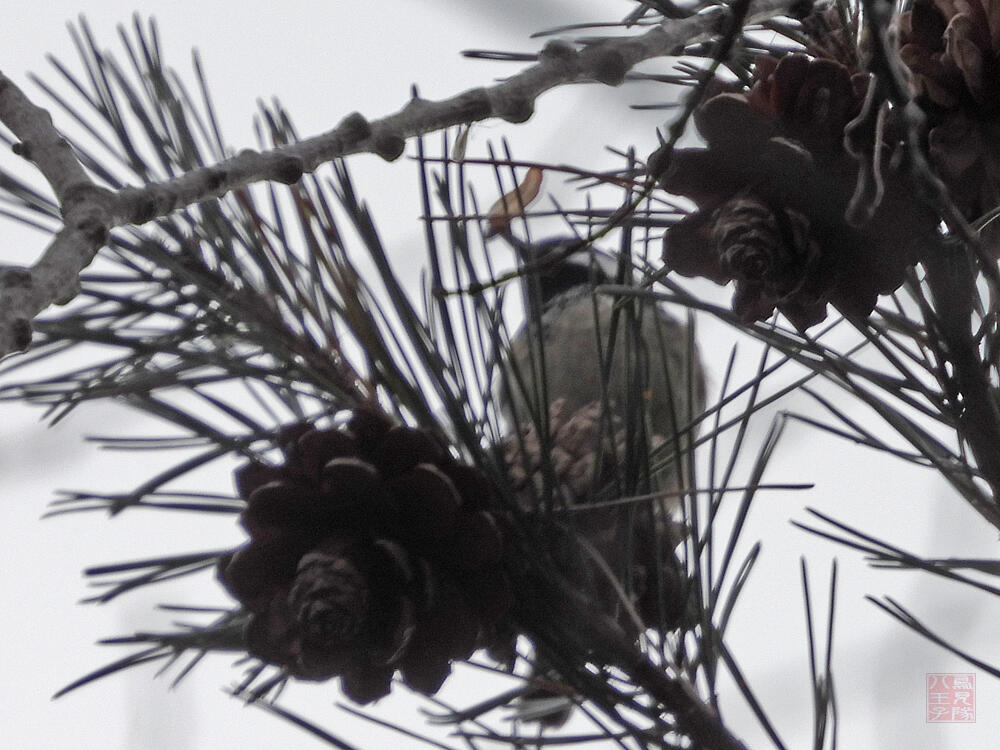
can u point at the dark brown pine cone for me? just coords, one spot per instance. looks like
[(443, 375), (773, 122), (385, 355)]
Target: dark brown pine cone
[(775, 157), (952, 49), (371, 550), (771, 253)]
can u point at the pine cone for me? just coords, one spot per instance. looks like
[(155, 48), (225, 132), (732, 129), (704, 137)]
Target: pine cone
[(371, 550), (953, 52), (773, 187), (581, 455), (772, 254)]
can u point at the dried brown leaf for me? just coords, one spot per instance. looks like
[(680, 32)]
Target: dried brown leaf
[(512, 204)]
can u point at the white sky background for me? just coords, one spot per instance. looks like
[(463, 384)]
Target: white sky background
[(325, 60)]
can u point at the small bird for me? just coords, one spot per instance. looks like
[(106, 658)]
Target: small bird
[(627, 362), (614, 381)]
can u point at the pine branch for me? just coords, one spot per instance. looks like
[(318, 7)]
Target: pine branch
[(54, 278), (951, 270), (90, 212), (228, 293)]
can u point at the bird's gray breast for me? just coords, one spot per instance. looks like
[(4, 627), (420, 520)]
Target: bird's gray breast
[(652, 359)]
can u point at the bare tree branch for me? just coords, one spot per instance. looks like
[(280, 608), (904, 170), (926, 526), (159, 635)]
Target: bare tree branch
[(90, 211), (26, 292)]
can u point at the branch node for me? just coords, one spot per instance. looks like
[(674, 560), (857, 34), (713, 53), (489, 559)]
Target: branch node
[(22, 149), (16, 277), (84, 192), (389, 145), (21, 334), (354, 128), (517, 109), (93, 229), (145, 210), (605, 64), (139, 205), (287, 169), (558, 52), (215, 178)]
